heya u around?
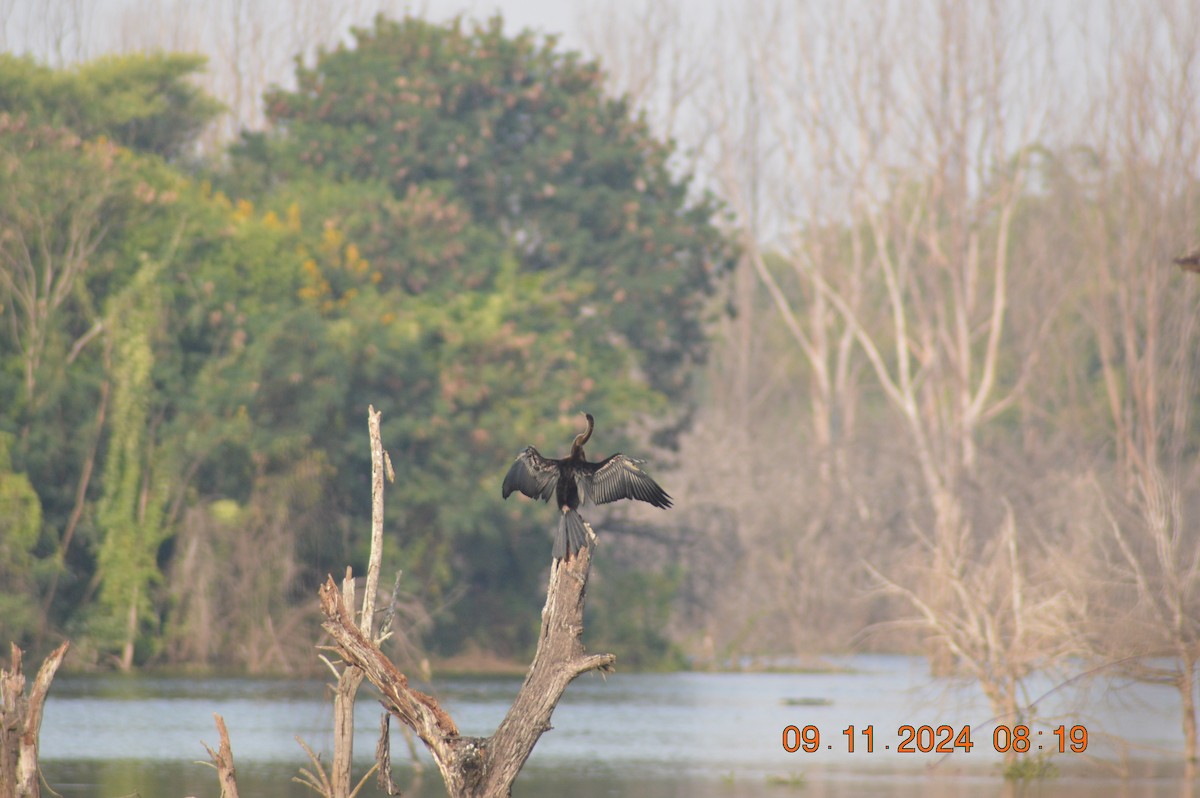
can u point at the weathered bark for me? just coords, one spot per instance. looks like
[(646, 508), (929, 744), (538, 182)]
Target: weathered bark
[(222, 760), (383, 758), (483, 767), (351, 677), (337, 782), (343, 711), (21, 722), (559, 659)]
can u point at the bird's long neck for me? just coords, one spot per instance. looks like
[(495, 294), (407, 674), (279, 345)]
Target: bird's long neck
[(582, 438)]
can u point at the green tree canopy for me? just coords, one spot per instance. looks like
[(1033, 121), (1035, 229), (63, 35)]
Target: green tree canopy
[(521, 136), (146, 102), (20, 530), (494, 247)]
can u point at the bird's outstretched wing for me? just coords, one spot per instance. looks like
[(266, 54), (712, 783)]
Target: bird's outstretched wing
[(619, 477), (532, 474)]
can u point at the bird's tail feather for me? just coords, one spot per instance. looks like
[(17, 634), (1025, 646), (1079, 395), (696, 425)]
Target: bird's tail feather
[(571, 535)]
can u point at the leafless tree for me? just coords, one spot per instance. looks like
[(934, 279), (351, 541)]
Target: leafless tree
[(61, 32), (1139, 199), (470, 766), (655, 55), (250, 45), (938, 155), (876, 160), (787, 370)]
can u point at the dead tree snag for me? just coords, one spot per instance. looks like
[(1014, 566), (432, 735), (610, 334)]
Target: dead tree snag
[(222, 760), (483, 767), (21, 722)]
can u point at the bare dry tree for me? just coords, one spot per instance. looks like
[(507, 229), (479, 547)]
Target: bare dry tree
[(654, 54), (222, 760), (887, 164), (250, 46), (61, 32), (336, 782), (874, 163), (787, 365), (478, 766), (1139, 204), (470, 766), (999, 621), (878, 162)]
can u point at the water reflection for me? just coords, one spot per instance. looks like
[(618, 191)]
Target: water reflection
[(632, 734)]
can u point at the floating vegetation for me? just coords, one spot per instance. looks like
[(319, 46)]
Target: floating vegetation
[(1036, 768), (793, 780)]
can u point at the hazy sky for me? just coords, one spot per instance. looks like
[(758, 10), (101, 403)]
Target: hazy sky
[(251, 44), (24, 23), (546, 16)]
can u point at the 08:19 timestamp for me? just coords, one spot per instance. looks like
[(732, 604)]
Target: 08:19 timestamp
[(942, 739)]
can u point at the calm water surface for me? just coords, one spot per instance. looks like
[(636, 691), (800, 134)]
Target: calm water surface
[(633, 734)]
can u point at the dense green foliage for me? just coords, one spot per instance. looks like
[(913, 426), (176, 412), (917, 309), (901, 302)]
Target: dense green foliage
[(21, 522), (455, 226), (144, 102), (522, 139)]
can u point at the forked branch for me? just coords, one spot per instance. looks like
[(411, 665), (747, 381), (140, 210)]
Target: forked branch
[(473, 766)]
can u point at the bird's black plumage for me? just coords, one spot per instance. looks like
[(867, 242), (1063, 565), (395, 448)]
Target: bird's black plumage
[(573, 480)]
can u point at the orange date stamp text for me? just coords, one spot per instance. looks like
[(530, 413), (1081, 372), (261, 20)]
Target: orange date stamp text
[(943, 739)]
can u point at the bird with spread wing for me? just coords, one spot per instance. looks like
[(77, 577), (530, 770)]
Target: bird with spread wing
[(573, 480)]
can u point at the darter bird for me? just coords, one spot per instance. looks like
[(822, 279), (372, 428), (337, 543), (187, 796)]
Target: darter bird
[(573, 480)]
